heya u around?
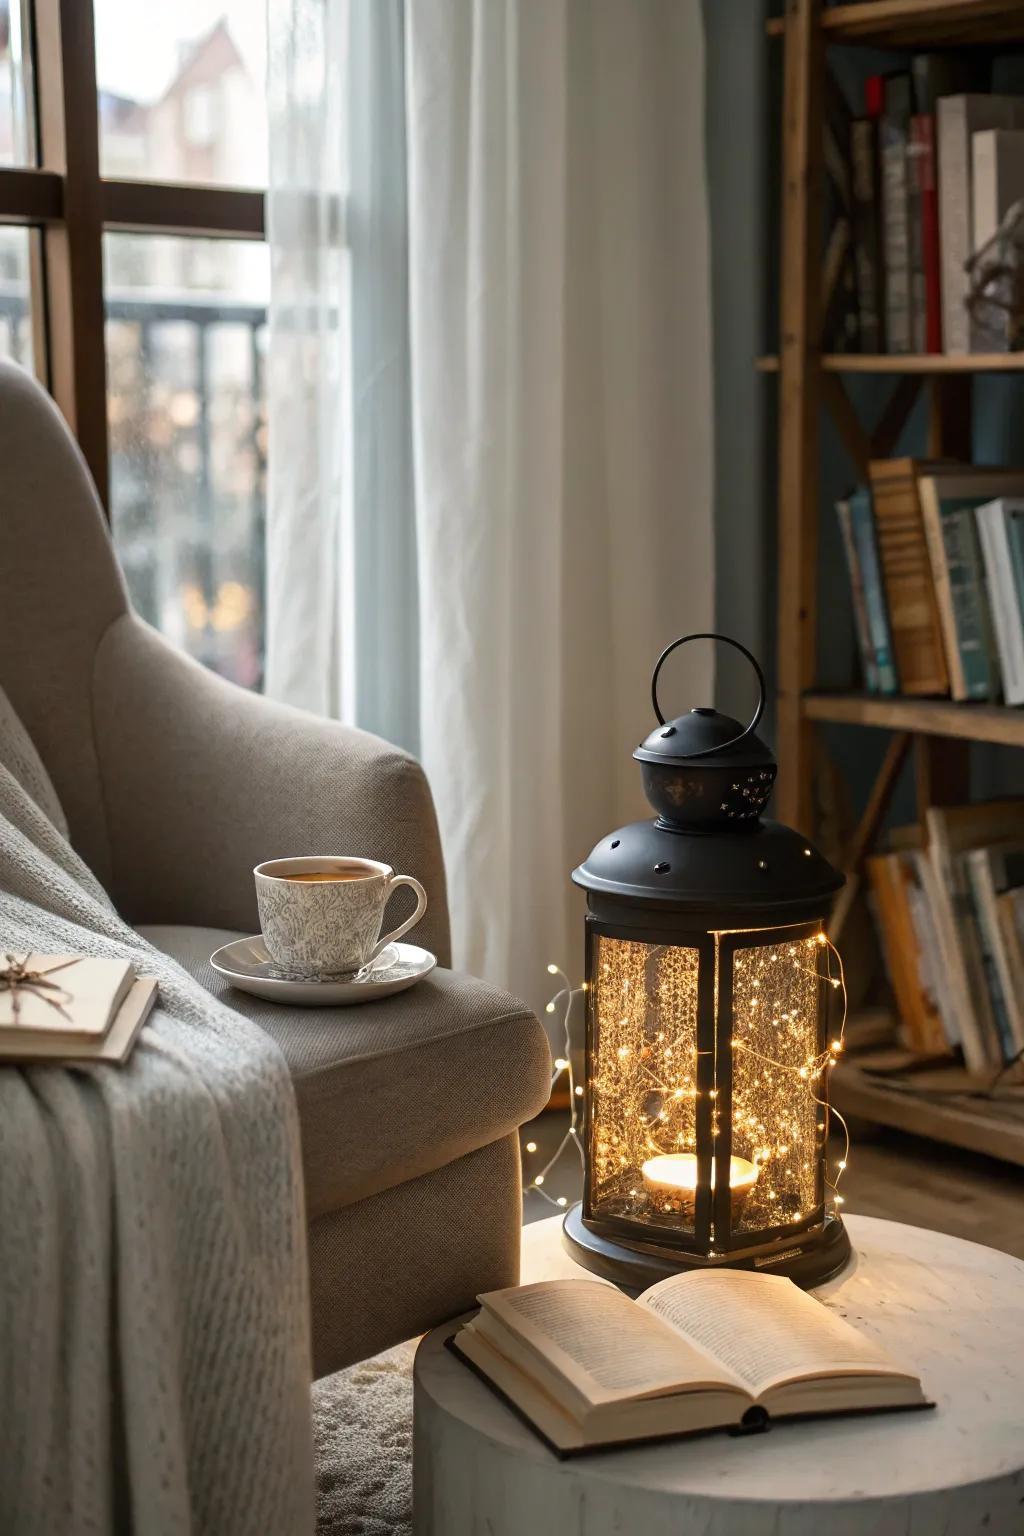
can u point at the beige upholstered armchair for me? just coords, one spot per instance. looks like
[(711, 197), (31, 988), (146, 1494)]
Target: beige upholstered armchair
[(174, 784)]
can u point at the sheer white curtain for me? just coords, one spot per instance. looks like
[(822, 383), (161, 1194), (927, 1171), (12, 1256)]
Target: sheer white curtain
[(559, 389)]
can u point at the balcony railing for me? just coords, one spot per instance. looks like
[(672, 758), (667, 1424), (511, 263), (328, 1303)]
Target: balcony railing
[(185, 381)]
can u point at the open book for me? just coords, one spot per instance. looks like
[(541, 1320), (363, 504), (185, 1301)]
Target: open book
[(710, 1349)]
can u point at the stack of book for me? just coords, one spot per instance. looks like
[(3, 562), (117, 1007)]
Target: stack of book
[(70, 1008), (950, 915), (918, 180), (935, 555)]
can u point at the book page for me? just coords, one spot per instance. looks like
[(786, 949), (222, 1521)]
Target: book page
[(602, 1344), (763, 1328)]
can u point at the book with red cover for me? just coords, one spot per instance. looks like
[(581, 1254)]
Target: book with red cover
[(922, 139)]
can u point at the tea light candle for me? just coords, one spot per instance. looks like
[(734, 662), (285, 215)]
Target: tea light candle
[(675, 1173)]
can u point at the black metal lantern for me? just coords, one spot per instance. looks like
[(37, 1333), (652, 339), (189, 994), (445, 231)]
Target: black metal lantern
[(707, 1052)]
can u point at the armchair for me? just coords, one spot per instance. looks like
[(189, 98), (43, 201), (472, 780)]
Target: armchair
[(174, 784)]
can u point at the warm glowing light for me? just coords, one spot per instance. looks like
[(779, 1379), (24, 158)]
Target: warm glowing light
[(560, 1063), (531, 1146), (549, 1007), (643, 1097), (539, 1180), (678, 1171), (552, 970), (561, 1200)]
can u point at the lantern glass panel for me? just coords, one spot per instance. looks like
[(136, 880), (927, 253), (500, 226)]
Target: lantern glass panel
[(776, 1091), (643, 1089)]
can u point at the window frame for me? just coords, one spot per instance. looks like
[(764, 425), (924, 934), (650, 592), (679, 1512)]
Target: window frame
[(69, 207)]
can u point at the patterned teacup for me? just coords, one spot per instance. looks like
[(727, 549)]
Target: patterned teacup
[(321, 916)]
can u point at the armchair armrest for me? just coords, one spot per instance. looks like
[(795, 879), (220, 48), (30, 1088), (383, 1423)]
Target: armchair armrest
[(202, 780)]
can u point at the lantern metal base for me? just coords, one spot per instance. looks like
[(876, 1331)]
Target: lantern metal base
[(809, 1258)]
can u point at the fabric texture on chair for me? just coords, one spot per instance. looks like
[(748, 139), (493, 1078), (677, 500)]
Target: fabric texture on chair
[(408, 1259), (205, 781), (60, 588), (18, 753), (391, 1090)]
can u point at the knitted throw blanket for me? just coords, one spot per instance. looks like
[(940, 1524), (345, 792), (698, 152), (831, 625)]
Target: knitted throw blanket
[(154, 1327)]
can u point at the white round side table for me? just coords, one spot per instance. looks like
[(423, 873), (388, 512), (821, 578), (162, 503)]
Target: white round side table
[(951, 1309)]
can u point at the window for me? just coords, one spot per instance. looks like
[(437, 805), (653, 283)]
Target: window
[(134, 280), (188, 439), (185, 83), (15, 307)]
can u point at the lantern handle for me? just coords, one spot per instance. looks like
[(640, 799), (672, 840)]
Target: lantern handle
[(751, 727)]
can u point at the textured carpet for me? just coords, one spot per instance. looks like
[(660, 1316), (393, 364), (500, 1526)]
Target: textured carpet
[(362, 1427)]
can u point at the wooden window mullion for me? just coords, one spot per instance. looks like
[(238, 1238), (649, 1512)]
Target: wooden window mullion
[(73, 249)]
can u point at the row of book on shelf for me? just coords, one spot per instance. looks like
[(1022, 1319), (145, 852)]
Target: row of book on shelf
[(948, 903), (935, 557), (917, 183)]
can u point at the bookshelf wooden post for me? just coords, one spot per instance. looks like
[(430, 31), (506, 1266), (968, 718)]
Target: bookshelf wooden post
[(798, 402), (960, 1111)]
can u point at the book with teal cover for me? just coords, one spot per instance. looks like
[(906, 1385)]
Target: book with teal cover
[(1014, 514), (862, 522), (860, 608), (968, 591)]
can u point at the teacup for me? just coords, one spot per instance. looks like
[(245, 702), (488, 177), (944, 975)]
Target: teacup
[(321, 916)]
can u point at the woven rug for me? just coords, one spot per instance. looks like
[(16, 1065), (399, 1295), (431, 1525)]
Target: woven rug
[(362, 1423), (362, 1430)]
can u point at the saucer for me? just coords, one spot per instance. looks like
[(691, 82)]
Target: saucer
[(246, 964)]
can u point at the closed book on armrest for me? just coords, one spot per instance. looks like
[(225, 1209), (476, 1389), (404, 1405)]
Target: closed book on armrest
[(66, 1048), (65, 994)]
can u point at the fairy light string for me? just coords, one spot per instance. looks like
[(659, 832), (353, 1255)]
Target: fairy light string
[(563, 999), (645, 1072)]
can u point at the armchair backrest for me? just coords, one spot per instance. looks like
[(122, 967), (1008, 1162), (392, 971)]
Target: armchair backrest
[(60, 589)]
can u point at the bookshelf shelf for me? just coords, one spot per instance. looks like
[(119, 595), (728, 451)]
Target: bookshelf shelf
[(917, 23), (923, 363), (928, 717), (951, 1110)]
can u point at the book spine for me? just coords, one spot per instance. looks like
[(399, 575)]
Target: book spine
[(930, 1025), (954, 155), (993, 982), (862, 525), (1015, 540), (1010, 907), (932, 264), (915, 239), (860, 610), (896, 234), (867, 252), (977, 1035), (1002, 592), (979, 659), (892, 923), (906, 570), (988, 329), (932, 519)]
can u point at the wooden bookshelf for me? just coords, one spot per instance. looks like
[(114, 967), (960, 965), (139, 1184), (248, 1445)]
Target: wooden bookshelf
[(917, 23), (909, 363), (922, 717), (942, 1102), (946, 1106)]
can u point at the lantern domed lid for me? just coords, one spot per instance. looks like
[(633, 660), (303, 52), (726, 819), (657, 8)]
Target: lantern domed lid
[(717, 740), (744, 871)]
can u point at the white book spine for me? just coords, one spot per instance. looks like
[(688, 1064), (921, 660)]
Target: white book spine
[(1006, 615)]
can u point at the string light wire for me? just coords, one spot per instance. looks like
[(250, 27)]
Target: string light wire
[(564, 998)]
